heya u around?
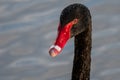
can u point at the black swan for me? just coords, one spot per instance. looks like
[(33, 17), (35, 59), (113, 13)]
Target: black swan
[(75, 20)]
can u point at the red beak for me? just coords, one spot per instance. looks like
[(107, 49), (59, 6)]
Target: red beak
[(62, 38)]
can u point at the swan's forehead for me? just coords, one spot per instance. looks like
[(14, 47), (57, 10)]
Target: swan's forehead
[(65, 18), (68, 14)]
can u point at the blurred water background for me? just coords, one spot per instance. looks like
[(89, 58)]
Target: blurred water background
[(28, 28)]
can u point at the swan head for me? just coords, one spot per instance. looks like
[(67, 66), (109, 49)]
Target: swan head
[(71, 24)]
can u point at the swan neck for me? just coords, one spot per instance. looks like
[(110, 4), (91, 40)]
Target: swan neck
[(82, 56)]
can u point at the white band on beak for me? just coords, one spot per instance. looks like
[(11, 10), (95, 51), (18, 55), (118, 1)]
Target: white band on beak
[(56, 47)]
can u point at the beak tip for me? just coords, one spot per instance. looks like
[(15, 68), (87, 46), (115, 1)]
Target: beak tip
[(53, 52)]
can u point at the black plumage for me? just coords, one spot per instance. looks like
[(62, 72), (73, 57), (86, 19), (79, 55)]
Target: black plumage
[(82, 33)]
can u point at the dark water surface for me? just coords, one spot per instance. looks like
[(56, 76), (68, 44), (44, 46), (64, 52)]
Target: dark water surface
[(28, 28)]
